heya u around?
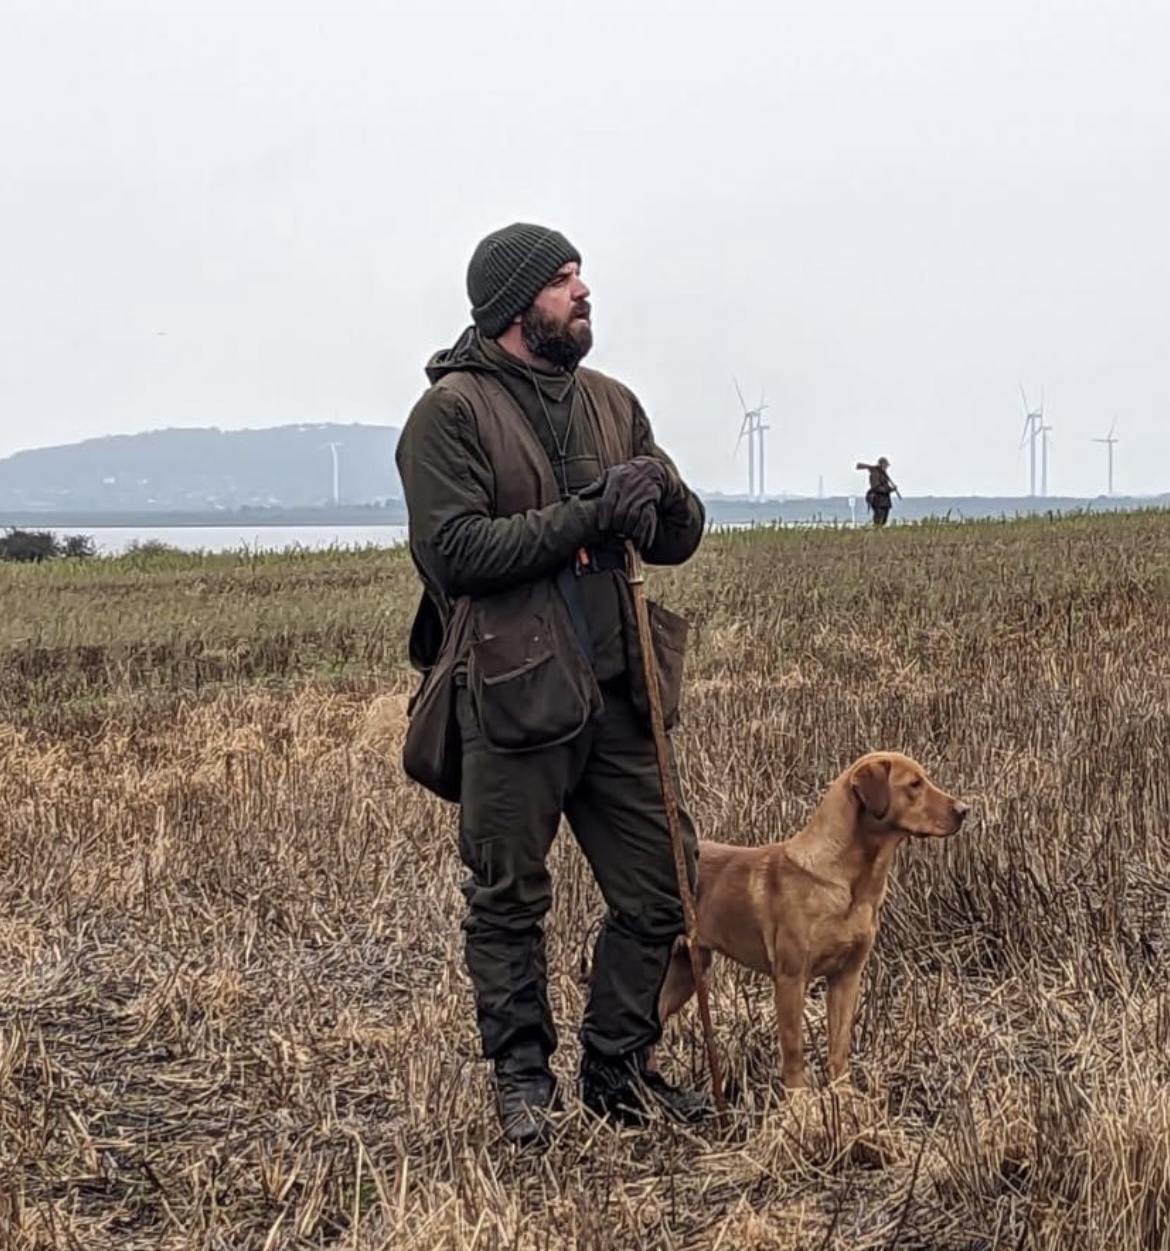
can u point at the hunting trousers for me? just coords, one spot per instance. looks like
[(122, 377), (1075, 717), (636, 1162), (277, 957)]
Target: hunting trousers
[(605, 782)]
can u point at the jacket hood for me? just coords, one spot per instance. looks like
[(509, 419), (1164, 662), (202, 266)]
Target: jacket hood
[(472, 353), (465, 353)]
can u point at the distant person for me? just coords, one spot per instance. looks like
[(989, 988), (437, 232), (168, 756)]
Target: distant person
[(523, 474), (881, 488)]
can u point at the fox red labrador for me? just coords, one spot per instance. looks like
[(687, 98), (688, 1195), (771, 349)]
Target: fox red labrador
[(808, 907)]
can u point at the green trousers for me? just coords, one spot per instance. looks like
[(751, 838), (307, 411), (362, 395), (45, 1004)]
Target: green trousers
[(606, 784)]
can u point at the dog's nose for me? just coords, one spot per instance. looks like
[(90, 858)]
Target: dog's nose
[(961, 809)]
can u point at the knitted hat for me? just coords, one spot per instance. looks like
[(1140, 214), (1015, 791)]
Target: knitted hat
[(508, 270)]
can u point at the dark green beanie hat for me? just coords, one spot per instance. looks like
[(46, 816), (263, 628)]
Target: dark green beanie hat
[(509, 269)]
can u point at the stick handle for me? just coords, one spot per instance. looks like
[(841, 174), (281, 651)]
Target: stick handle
[(636, 576)]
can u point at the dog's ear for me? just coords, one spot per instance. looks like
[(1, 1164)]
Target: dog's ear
[(871, 786)]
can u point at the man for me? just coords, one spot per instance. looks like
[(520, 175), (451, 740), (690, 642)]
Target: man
[(524, 473), (881, 488)]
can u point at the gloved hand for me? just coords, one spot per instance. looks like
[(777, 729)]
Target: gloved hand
[(630, 493), (670, 485), (643, 527)]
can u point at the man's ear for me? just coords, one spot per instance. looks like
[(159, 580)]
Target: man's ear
[(871, 786)]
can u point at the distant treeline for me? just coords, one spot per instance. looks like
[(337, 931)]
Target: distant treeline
[(32, 547)]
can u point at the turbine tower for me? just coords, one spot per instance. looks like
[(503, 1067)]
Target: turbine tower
[(1033, 426), (1044, 429), (1109, 441), (753, 426), (336, 471), (760, 428)]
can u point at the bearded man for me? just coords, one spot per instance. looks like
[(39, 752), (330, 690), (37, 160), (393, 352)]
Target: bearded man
[(524, 474)]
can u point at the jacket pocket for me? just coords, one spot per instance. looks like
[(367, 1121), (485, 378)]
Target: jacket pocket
[(528, 689), (669, 633)]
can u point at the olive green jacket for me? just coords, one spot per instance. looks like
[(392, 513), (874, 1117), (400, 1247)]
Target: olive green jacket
[(496, 548)]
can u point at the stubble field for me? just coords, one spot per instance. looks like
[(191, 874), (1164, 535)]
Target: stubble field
[(232, 1006)]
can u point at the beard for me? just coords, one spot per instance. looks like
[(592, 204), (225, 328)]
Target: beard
[(562, 343)]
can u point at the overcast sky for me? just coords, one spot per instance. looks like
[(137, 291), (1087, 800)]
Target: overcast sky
[(886, 216)]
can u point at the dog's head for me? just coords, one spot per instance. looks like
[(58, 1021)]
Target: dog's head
[(893, 793)]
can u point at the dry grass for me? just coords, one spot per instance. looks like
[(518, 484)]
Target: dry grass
[(232, 1006)]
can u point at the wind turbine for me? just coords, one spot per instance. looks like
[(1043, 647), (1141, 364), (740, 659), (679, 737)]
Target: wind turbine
[(1044, 429), (336, 471), (1032, 427), (1109, 440), (753, 426)]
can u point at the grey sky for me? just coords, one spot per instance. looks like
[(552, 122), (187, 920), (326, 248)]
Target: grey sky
[(887, 216)]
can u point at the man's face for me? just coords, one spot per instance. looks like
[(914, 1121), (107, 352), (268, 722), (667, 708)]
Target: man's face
[(556, 327)]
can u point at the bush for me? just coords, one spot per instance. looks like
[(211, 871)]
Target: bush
[(29, 546), (35, 546), (150, 547), (78, 546)]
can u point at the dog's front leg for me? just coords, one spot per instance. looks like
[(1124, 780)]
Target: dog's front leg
[(842, 1007), (790, 991)]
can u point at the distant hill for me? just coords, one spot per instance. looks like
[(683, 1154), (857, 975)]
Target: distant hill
[(205, 469)]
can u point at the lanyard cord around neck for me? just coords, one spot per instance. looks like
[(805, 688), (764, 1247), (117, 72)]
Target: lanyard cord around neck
[(562, 445)]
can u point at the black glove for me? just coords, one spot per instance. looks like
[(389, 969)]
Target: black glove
[(643, 527), (630, 493), (670, 484)]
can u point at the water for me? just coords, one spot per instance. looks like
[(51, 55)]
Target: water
[(111, 540)]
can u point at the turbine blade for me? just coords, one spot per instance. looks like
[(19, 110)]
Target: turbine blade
[(745, 428)]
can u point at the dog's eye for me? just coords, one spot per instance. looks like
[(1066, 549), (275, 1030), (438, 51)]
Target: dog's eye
[(916, 784)]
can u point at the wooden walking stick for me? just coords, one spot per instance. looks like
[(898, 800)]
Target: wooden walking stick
[(636, 577)]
